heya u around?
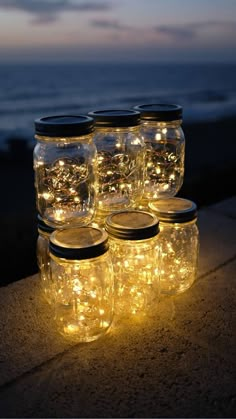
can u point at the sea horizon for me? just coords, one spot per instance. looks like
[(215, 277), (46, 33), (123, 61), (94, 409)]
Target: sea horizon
[(30, 90)]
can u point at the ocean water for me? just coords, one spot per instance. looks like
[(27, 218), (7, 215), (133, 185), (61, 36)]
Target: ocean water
[(30, 91)]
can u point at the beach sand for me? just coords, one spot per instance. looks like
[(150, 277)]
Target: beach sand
[(209, 177)]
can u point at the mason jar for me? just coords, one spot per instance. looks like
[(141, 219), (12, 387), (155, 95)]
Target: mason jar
[(65, 166), (120, 159), (134, 244), (179, 240), (43, 259), (165, 150), (82, 274)]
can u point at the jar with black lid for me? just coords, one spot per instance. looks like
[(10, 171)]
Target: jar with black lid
[(165, 150), (82, 274), (120, 159), (65, 170), (179, 240), (134, 244)]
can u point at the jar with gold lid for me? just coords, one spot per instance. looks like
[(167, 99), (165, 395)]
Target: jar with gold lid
[(179, 241), (134, 244), (82, 275)]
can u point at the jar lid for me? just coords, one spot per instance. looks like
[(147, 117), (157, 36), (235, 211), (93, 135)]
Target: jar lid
[(160, 112), (132, 225), (78, 243), (42, 226), (64, 125), (116, 118), (174, 210)]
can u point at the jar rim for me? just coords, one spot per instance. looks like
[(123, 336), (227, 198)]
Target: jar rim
[(78, 243), (116, 118), (64, 125), (160, 112), (132, 225), (174, 210)]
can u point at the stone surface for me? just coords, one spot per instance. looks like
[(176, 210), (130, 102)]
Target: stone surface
[(27, 331), (217, 240), (144, 369), (178, 361), (227, 207)]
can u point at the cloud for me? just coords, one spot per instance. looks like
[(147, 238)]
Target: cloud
[(109, 24), (192, 30), (45, 11), (177, 33)]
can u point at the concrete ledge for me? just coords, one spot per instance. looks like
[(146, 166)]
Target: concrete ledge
[(169, 363)]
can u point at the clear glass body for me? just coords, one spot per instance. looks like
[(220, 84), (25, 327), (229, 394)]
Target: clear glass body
[(65, 170), (120, 162), (84, 296), (43, 260), (180, 247), (136, 268), (164, 158)]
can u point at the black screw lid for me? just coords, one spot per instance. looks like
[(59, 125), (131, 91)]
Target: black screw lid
[(78, 243), (64, 125), (132, 225), (42, 226), (116, 118), (160, 112), (174, 210)]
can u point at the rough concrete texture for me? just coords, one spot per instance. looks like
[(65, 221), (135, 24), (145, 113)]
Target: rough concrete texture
[(217, 240), (28, 336), (178, 361), (227, 207)]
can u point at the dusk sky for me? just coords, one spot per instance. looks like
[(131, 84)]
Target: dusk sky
[(97, 30)]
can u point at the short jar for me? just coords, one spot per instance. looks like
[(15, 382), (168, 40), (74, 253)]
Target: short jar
[(120, 159), (134, 244), (43, 259), (165, 150), (65, 170), (179, 241), (82, 275)]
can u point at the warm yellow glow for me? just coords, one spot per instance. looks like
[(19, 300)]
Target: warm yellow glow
[(137, 277), (179, 243), (158, 136)]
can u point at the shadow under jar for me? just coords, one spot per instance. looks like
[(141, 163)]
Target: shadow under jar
[(165, 150), (82, 274), (179, 242), (120, 159), (65, 169)]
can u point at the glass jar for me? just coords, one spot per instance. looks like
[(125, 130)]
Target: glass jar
[(120, 159), (43, 259), (179, 240), (65, 165), (82, 275), (165, 150), (134, 245)]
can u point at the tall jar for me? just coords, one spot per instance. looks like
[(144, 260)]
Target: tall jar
[(43, 259), (179, 240), (82, 275), (120, 159), (165, 150), (65, 165), (134, 244)]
